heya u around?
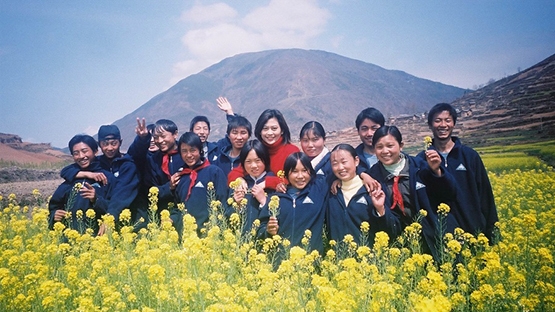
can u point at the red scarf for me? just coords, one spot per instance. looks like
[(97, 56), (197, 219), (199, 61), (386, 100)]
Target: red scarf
[(397, 196), (274, 147), (193, 175), (166, 162)]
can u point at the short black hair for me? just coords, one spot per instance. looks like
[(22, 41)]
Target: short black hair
[(316, 128), (165, 125), (438, 108), (199, 119), (83, 138), (260, 151), (238, 121), (345, 147), (291, 163), (385, 130), (372, 114), (193, 140)]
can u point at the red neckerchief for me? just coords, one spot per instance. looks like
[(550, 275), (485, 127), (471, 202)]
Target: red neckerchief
[(397, 196), (166, 162), (193, 175)]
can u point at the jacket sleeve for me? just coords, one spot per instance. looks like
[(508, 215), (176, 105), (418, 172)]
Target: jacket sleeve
[(69, 172), (390, 222), (442, 188), (57, 202), (139, 149), (234, 174)]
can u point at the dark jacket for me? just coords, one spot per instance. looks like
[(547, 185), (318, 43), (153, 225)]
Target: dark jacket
[(427, 191), (124, 170), (197, 205), (104, 193), (252, 210), (474, 208), (305, 212), (343, 219)]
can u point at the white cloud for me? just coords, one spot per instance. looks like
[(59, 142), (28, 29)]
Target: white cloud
[(209, 13), (217, 31)]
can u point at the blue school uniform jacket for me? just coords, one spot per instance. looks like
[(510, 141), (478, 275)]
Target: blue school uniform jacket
[(343, 219), (154, 176), (224, 161), (104, 193), (197, 205), (124, 170), (323, 168), (253, 208), (474, 208), (141, 156), (305, 212), (427, 191)]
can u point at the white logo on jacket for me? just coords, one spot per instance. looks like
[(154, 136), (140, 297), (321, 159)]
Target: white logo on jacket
[(419, 185), (362, 200), (307, 200)]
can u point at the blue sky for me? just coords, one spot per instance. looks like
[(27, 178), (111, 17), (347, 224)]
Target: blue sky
[(67, 67)]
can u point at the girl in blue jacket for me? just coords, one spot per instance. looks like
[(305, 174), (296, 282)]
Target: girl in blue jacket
[(412, 184), (301, 208), (313, 144), (255, 160), (353, 205), (190, 183)]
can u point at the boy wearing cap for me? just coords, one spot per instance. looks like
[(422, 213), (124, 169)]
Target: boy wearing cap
[(120, 165)]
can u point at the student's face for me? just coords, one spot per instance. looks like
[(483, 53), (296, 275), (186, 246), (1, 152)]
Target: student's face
[(201, 129), (110, 148), (254, 166), (238, 137), (271, 132), (312, 145), (343, 165), (299, 177), (388, 150), (82, 154), (189, 154), (165, 140), (366, 131), (442, 125), (152, 147)]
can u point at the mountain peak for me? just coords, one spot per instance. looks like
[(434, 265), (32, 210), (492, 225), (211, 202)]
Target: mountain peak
[(303, 84)]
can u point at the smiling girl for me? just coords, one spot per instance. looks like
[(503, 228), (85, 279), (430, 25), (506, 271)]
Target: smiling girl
[(353, 205), (272, 130), (301, 208), (412, 184), (255, 160), (189, 184)]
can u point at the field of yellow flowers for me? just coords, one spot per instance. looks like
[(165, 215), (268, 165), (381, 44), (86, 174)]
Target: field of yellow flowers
[(62, 270)]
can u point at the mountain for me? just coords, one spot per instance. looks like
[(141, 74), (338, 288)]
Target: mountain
[(14, 150), (517, 108), (303, 84)]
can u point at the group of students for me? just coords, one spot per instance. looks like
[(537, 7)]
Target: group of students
[(318, 189)]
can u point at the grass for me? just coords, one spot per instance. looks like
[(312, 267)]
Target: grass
[(43, 165)]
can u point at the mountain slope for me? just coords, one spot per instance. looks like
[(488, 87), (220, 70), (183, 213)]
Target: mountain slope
[(303, 85)]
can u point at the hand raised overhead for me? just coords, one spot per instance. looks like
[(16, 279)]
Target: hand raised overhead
[(141, 129), (224, 105)]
